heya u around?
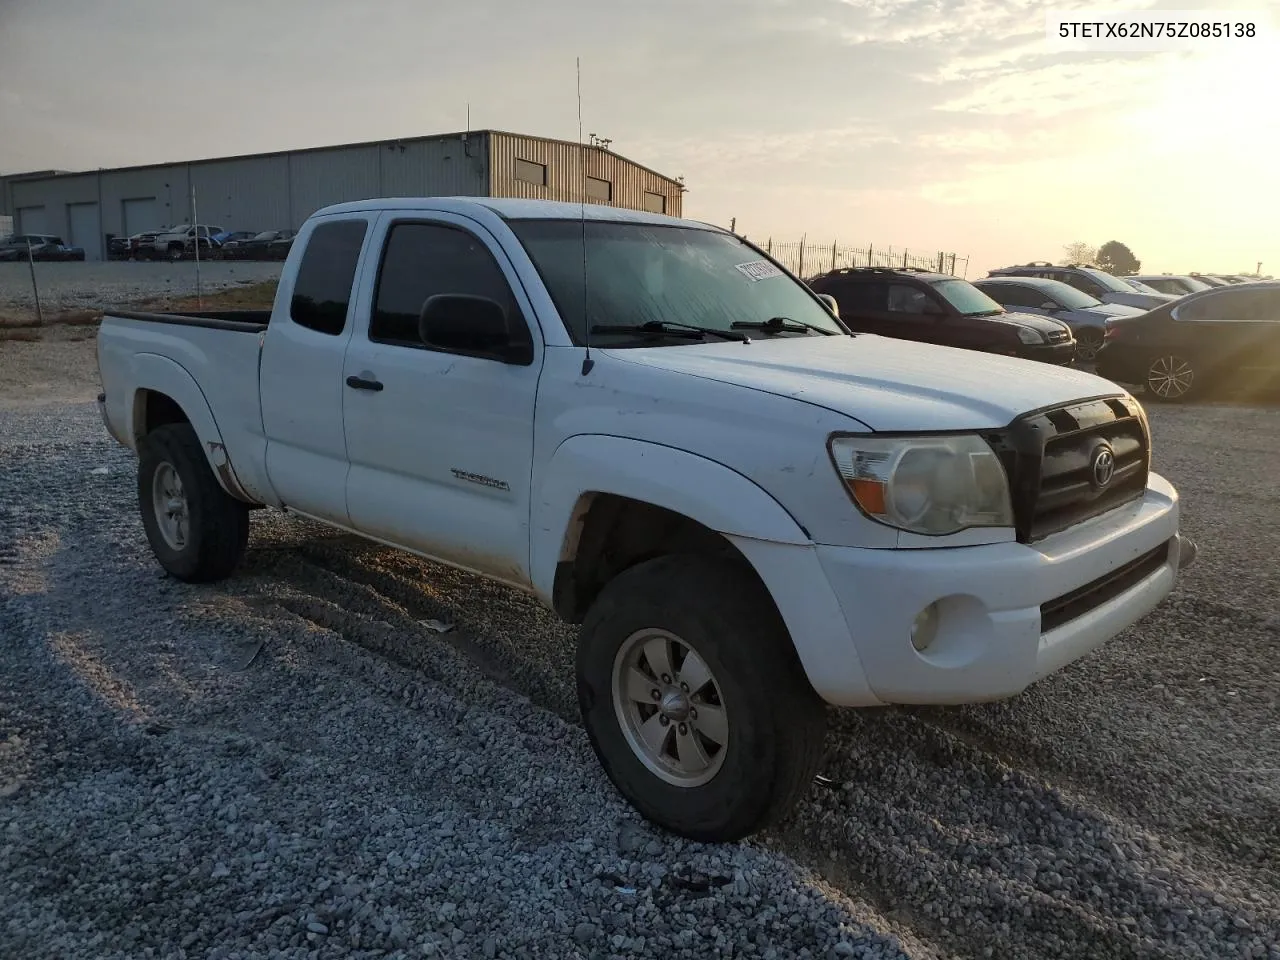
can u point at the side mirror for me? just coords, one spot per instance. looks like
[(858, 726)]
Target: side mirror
[(474, 325), (831, 303), (931, 309), (1050, 305)]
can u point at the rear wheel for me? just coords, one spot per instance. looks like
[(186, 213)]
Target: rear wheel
[(1088, 343), (694, 700), (1171, 378), (197, 530)]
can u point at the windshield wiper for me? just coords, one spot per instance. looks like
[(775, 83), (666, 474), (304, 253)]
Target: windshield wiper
[(780, 325), (671, 328)]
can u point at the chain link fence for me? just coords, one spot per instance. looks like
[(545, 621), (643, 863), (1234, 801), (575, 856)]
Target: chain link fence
[(807, 259)]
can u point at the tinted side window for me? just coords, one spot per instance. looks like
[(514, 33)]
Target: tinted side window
[(1237, 306), (907, 299), (422, 260), (322, 290), (854, 297), (1086, 285), (1009, 295)]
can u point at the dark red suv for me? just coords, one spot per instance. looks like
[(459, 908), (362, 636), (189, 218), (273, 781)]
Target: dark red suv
[(936, 308)]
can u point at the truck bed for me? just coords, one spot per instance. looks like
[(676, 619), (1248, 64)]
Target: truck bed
[(207, 362)]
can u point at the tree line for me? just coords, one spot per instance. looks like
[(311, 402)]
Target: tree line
[(1113, 256)]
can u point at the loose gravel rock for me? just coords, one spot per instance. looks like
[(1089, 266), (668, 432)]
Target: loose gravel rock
[(292, 763), (68, 286)]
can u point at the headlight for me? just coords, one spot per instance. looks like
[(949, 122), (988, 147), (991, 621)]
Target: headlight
[(929, 485), (1027, 335)]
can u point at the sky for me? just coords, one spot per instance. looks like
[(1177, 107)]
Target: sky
[(925, 124)]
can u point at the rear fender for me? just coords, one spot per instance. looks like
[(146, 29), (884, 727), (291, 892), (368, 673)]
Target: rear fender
[(165, 376)]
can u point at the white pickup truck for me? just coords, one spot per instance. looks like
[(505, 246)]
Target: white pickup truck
[(668, 439)]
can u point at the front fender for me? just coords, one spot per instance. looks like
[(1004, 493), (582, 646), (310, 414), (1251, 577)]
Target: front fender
[(151, 371), (773, 542), (698, 488)]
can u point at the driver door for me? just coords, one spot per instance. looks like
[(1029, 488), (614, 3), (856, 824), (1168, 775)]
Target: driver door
[(440, 442)]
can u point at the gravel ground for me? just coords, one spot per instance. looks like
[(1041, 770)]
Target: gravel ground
[(68, 286), (294, 763)]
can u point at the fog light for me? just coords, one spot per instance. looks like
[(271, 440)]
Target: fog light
[(925, 628)]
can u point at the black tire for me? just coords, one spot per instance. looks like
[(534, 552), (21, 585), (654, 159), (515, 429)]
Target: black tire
[(1088, 343), (1172, 378), (217, 523), (776, 723)]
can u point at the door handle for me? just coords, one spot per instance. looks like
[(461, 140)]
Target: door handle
[(360, 383)]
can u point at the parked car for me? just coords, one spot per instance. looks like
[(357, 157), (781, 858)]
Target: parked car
[(41, 246), (1085, 315), (142, 246), (942, 309), (231, 236), (15, 246), (1097, 283), (1210, 280), (1227, 336), (278, 249), (1178, 285), (177, 243), (260, 246), (57, 250), (672, 442)]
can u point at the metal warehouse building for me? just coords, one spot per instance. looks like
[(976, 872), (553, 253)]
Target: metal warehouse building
[(276, 191)]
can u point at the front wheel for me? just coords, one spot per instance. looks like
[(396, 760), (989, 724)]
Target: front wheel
[(1088, 343), (1171, 378), (694, 700), (197, 530)]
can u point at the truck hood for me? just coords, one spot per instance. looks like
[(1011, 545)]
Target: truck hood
[(886, 384)]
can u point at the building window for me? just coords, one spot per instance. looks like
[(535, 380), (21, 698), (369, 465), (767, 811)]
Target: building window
[(598, 189), (531, 172), (655, 202)]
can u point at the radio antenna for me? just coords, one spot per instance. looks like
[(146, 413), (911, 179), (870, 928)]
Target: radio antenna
[(587, 362)]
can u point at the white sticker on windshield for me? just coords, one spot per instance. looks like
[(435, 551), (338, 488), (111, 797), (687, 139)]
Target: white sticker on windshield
[(758, 270)]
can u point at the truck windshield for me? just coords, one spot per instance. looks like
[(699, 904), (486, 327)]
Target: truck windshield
[(641, 273)]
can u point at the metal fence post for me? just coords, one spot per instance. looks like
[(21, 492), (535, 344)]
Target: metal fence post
[(31, 262), (833, 256), (904, 258), (800, 272), (768, 247), (870, 258)]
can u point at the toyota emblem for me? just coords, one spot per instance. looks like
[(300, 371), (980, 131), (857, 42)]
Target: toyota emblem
[(1103, 466)]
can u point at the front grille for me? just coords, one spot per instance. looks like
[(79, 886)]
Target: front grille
[(1050, 454), (1060, 610)]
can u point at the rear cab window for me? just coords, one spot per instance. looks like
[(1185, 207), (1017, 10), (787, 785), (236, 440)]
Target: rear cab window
[(322, 287)]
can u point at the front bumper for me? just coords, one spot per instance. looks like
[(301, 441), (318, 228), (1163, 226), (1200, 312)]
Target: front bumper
[(1058, 353), (1008, 614)]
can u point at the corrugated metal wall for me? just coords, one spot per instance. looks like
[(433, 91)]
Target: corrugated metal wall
[(563, 161), (279, 191), (249, 194), (445, 167)]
